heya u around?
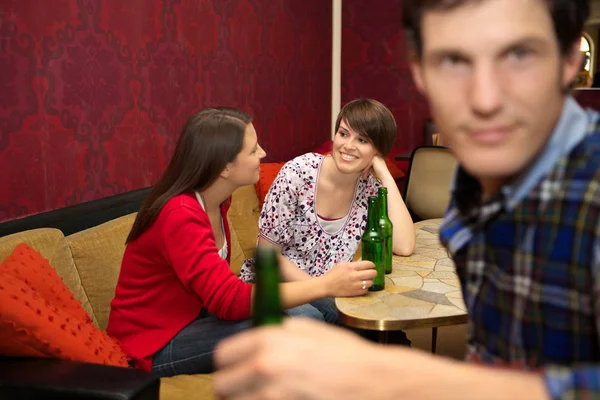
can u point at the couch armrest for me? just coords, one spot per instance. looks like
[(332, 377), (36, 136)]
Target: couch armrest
[(44, 378)]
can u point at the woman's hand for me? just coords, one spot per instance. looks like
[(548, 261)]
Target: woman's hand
[(379, 168), (348, 279)]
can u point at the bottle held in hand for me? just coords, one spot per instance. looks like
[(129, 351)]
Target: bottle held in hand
[(386, 228), (267, 300), (372, 245)]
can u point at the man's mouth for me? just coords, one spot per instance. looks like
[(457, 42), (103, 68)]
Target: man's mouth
[(491, 135)]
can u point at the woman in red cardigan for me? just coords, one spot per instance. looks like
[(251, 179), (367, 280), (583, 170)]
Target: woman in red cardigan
[(176, 296)]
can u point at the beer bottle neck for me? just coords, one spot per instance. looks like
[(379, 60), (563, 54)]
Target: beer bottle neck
[(373, 216), (383, 209)]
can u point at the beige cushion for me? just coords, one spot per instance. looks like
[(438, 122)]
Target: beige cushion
[(184, 387), (237, 254), (98, 253), (243, 214), (52, 246)]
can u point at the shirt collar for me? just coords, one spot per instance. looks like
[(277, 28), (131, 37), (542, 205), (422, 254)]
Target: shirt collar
[(568, 133)]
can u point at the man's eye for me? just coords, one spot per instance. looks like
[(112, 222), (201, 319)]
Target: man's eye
[(518, 53), (451, 60)]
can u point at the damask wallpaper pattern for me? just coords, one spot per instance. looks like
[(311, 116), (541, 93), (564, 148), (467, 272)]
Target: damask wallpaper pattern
[(588, 98), (374, 64), (93, 93)]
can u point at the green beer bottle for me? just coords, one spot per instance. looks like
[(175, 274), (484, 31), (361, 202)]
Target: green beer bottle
[(372, 245), (387, 229), (267, 302)]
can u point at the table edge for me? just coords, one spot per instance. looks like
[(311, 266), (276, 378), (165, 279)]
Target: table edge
[(396, 325)]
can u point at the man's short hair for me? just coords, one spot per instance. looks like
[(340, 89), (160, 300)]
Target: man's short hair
[(568, 17)]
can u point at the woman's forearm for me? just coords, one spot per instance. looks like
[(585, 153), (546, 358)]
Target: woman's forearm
[(404, 230), (295, 294), (291, 272)]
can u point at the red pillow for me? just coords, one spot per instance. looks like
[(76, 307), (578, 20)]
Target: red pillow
[(28, 265), (393, 168), (268, 173), (325, 148), (34, 326)]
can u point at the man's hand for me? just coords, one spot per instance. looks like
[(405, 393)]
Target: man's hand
[(302, 359), (305, 359)]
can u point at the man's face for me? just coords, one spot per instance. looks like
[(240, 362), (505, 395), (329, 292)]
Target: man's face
[(494, 77)]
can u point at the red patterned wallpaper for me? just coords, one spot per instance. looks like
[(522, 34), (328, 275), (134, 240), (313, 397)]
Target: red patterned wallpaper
[(374, 64), (588, 98), (93, 93)]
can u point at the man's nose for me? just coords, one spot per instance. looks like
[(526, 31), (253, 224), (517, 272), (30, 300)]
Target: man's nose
[(486, 90)]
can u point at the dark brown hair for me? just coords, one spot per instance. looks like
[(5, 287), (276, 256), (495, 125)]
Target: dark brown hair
[(211, 139), (372, 120), (568, 17)]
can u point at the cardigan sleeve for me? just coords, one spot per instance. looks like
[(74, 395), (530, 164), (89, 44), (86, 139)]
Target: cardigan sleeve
[(191, 251)]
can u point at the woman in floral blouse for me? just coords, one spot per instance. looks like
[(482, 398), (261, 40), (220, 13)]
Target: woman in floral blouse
[(316, 209)]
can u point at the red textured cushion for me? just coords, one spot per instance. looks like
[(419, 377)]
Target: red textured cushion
[(29, 266), (393, 168), (268, 173), (34, 326), (325, 148)]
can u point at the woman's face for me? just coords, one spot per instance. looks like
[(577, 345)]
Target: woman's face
[(351, 152), (245, 169)]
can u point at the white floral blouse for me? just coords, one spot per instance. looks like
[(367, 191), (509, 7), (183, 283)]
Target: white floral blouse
[(289, 219)]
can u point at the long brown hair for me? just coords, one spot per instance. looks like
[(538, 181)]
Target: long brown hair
[(211, 139)]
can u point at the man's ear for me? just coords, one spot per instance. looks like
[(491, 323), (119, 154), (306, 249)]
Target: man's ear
[(417, 72), (571, 64)]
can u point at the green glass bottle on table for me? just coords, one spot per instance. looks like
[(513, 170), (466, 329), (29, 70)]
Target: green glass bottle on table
[(387, 229), (267, 308), (372, 245)]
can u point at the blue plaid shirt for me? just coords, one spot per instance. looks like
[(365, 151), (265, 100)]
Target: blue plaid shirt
[(529, 261)]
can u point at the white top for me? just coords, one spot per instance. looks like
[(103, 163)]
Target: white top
[(331, 226), (223, 250)]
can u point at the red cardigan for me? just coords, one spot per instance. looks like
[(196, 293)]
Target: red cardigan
[(168, 275)]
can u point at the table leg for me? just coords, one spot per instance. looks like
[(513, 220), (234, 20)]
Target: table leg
[(433, 339), (382, 337)]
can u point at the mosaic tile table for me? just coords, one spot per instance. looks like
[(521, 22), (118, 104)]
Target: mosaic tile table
[(422, 291)]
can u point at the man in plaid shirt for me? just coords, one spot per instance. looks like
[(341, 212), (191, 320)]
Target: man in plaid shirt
[(522, 225)]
